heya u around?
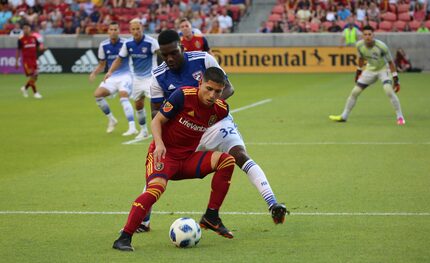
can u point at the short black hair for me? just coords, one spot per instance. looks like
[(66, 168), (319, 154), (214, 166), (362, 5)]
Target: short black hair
[(214, 74), (168, 36), (368, 27), (113, 23), (25, 24)]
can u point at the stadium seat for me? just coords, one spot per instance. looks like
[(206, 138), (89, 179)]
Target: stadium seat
[(385, 26), (400, 25), (235, 12), (275, 17), (278, 9), (342, 24), (291, 17), (146, 3), (403, 8), (414, 25), (389, 16), (404, 16), (427, 23), (373, 24), (326, 25), (315, 27)]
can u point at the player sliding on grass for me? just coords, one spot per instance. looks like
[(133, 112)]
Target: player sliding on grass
[(119, 82), (141, 49), (186, 69), (28, 46), (177, 129), (377, 55)]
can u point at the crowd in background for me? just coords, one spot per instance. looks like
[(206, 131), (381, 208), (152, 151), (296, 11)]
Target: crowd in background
[(54, 17), (333, 15)]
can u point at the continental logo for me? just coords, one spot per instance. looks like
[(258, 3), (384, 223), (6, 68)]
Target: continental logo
[(191, 125), (288, 59)]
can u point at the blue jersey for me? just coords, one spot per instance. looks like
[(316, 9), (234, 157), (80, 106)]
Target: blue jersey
[(165, 81), (109, 52), (142, 54)]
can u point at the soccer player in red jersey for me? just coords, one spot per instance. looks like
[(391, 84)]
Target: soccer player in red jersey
[(177, 129), (191, 41), (28, 46)]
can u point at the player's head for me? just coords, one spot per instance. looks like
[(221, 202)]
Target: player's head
[(26, 28), (368, 34), (212, 86), (113, 30), (185, 27), (170, 49), (136, 29)]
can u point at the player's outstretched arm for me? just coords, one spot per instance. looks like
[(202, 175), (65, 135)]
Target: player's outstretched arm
[(100, 67), (228, 90), (157, 129), (155, 108), (115, 65)]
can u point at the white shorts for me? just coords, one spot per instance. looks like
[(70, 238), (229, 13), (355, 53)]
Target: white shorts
[(117, 83), (369, 77), (141, 87), (222, 136)]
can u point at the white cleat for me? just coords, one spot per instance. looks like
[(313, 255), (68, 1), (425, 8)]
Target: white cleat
[(143, 134), (24, 92), (111, 126), (37, 95), (131, 131)]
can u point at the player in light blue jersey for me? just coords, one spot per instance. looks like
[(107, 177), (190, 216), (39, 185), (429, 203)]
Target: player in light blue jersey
[(119, 82), (142, 50), (186, 69)]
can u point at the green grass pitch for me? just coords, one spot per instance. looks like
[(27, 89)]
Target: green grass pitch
[(56, 156)]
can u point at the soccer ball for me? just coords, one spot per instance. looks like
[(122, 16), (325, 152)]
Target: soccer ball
[(185, 232)]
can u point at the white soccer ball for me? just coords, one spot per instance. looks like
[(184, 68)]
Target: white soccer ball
[(185, 232)]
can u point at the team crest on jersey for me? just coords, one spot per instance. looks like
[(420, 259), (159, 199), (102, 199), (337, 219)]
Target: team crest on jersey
[(159, 166), (197, 44), (144, 49), (212, 120), (167, 107), (198, 75)]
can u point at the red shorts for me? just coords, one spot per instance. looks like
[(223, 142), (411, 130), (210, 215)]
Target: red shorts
[(30, 68), (196, 166)]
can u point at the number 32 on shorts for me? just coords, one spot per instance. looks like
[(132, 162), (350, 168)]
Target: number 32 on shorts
[(227, 131)]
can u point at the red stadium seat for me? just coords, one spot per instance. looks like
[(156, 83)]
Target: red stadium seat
[(400, 25), (278, 9), (315, 27), (342, 24), (275, 17), (404, 17), (163, 17), (146, 3), (385, 26), (414, 25), (235, 12), (389, 16), (291, 17), (326, 25), (403, 8), (427, 23), (373, 24)]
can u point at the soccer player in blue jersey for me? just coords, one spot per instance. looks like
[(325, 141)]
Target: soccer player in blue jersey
[(119, 82), (142, 50), (186, 69)]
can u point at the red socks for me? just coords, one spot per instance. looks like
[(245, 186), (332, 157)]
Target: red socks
[(221, 180)]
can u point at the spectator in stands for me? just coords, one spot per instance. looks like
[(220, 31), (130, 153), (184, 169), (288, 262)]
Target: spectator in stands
[(56, 28), (331, 14), (402, 61), (407, 28), (216, 29), (16, 31), (422, 28), (350, 34), (419, 12), (278, 27), (225, 21), (18, 17), (319, 15), (303, 14), (343, 13), (38, 8), (88, 7), (301, 4), (373, 13), (196, 21), (205, 7), (5, 15), (361, 11), (264, 28), (334, 27), (70, 28), (31, 17), (163, 26), (194, 5), (427, 4), (117, 3), (241, 4), (130, 4)]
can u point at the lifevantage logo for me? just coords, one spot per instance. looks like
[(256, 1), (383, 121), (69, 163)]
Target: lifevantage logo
[(86, 63), (47, 63)]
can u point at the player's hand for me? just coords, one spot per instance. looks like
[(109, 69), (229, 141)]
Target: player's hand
[(107, 76), (92, 76), (396, 86), (159, 153), (358, 74)]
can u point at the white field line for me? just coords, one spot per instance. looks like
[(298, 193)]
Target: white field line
[(224, 213), (232, 111)]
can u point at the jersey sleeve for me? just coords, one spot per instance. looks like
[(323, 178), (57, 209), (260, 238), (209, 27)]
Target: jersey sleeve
[(205, 45), (386, 52), (210, 61), (101, 54), (173, 105), (123, 52), (154, 47), (157, 94)]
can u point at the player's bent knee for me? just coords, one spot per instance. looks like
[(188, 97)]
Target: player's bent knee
[(240, 155), (101, 92), (123, 94), (158, 180), (220, 160)]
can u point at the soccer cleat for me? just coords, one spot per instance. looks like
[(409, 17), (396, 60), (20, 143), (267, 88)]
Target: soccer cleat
[(401, 121), (143, 134), (143, 228), (337, 118), (37, 95), (278, 212), (123, 244), (24, 92), (215, 225), (111, 125), (131, 131)]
